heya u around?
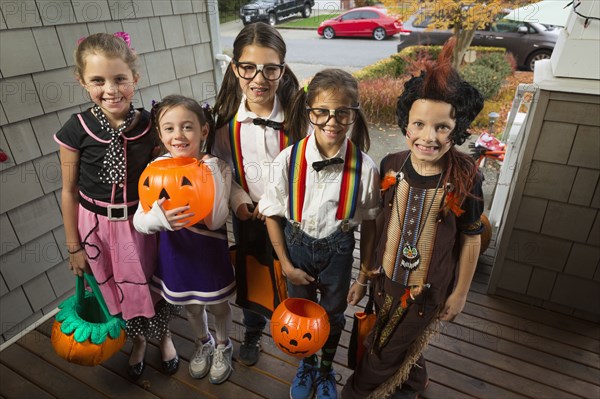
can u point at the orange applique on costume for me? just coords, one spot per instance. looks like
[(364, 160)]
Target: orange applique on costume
[(404, 298), (389, 180), (453, 204)]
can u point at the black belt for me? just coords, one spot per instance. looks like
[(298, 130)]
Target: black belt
[(112, 212)]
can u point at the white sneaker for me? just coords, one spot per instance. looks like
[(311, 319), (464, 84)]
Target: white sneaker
[(200, 363), (221, 364)]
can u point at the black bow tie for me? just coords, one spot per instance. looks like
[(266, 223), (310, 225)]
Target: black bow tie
[(269, 123), (321, 164)]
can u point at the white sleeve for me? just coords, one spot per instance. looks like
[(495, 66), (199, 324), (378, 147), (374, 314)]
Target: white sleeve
[(222, 180), (151, 222), (238, 197), (274, 201)]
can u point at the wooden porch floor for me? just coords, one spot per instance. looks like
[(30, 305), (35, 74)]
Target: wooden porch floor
[(496, 348)]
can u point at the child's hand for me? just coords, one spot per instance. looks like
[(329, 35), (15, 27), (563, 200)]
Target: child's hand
[(453, 306), (244, 212), (257, 215), (356, 293), (298, 277), (175, 215), (78, 263)]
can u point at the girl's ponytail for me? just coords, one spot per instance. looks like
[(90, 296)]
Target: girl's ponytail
[(297, 123), (360, 132), (207, 111), (228, 99), (288, 86)]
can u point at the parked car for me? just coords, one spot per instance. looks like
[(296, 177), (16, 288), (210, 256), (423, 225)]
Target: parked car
[(272, 11), (527, 42), (362, 21)]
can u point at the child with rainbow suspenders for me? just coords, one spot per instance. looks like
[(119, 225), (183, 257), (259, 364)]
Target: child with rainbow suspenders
[(250, 110), (324, 187)]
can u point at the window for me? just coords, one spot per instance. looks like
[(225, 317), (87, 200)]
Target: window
[(506, 25), (351, 16), (369, 15)]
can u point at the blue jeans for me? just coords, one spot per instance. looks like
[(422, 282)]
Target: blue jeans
[(329, 260)]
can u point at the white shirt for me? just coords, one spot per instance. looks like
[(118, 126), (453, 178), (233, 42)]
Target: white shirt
[(322, 192), (260, 145), (155, 220)]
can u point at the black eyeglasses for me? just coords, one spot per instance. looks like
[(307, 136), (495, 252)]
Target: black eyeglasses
[(248, 70), (344, 116)]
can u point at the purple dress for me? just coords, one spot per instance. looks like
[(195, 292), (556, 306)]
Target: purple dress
[(194, 267)]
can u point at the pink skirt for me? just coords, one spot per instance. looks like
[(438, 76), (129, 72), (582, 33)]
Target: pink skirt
[(122, 261)]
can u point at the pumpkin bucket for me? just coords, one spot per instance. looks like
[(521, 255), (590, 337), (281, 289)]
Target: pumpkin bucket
[(183, 182), (84, 332), (299, 327)]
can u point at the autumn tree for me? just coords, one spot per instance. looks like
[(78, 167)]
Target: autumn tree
[(463, 17)]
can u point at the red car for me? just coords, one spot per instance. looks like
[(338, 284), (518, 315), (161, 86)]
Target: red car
[(363, 21)]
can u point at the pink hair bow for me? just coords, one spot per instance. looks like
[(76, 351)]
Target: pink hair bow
[(122, 35), (125, 37)]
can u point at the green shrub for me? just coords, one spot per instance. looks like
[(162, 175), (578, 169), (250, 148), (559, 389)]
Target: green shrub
[(378, 98), (400, 64), (381, 83), (486, 80), (496, 61), (386, 67), (397, 64)]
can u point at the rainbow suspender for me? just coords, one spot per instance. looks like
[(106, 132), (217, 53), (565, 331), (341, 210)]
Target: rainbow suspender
[(236, 150), (348, 188)]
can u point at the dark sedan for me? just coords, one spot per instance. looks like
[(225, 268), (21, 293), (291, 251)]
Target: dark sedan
[(528, 42)]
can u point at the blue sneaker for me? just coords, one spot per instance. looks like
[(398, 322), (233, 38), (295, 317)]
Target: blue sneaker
[(326, 386), (303, 386)]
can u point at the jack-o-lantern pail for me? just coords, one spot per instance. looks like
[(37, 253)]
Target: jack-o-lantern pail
[(84, 331), (181, 181), (299, 327)]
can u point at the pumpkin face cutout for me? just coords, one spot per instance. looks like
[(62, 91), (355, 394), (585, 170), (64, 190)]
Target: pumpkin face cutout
[(299, 327), (182, 181)]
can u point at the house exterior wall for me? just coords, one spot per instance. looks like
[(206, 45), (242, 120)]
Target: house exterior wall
[(175, 43), (549, 248)]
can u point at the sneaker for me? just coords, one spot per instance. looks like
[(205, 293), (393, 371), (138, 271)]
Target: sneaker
[(250, 348), (221, 364), (303, 386), (200, 363), (326, 386)]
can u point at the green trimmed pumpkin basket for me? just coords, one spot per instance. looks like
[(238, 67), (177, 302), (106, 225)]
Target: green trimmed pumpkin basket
[(84, 332)]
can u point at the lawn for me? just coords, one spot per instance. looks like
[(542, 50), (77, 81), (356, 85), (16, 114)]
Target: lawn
[(311, 22)]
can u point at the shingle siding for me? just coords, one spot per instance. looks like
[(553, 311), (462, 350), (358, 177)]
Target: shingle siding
[(39, 94), (554, 245)]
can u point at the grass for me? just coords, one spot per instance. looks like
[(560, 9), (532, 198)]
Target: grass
[(228, 17), (311, 22)]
